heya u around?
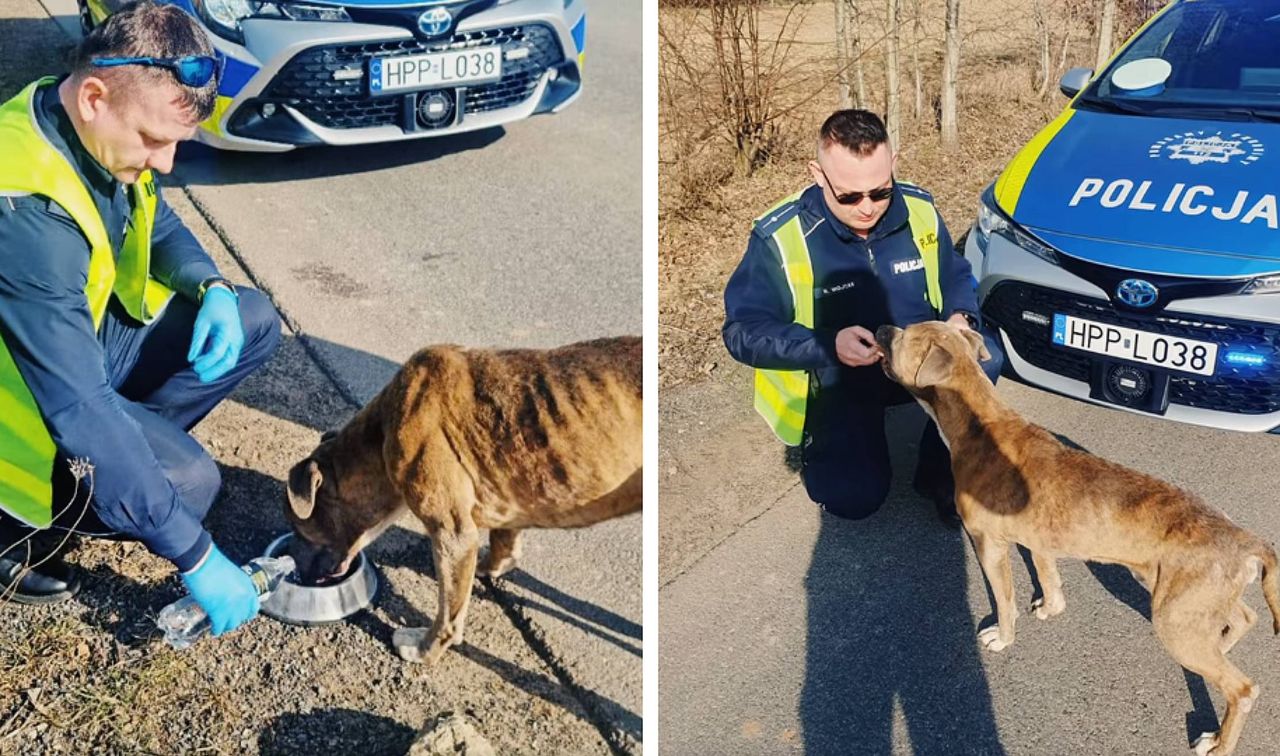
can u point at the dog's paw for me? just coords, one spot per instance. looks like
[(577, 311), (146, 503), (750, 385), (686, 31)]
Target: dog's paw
[(990, 639), (494, 570), (411, 642), (1206, 744), (1044, 611)]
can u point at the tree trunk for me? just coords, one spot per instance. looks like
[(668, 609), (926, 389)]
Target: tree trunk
[(859, 81), (1042, 30), (842, 55), (892, 109), (950, 74), (1105, 32), (917, 34), (1066, 45)]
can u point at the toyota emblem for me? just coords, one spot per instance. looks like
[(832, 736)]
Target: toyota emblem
[(1137, 293)]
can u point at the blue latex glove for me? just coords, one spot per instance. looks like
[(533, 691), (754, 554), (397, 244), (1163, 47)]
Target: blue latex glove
[(218, 336), (223, 590)]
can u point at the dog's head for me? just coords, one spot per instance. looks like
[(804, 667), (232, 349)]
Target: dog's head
[(335, 503), (926, 355)]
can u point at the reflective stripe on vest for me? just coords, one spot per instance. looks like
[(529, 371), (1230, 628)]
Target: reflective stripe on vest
[(29, 164), (783, 395)]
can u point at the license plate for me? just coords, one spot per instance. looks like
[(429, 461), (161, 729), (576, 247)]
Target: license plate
[(446, 69), (1171, 352)]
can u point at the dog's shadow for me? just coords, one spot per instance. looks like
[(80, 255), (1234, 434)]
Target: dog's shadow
[(400, 547)]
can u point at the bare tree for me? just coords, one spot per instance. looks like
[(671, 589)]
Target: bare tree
[(917, 33), (747, 97), (855, 49), (950, 74), (842, 55), (848, 54), (1106, 29), (722, 76), (1042, 31), (892, 110)]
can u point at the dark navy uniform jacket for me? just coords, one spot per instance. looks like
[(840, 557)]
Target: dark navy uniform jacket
[(867, 282), (46, 324)]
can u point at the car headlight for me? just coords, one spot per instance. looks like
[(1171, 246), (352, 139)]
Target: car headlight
[(1263, 285), (224, 16), (993, 221)]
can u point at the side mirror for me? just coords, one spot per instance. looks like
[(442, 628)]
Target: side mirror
[(1075, 80)]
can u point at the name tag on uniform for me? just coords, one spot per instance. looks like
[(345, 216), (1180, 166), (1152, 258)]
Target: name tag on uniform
[(822, 292)]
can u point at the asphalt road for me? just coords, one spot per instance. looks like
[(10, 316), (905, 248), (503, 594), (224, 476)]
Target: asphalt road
[(523, 236), (784, 630)]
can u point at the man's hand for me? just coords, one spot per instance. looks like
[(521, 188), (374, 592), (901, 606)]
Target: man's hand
[(856, 347), (218, 336), (959, 321), (223, 591)]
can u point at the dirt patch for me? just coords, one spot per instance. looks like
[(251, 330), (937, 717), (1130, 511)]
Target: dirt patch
[(332, 282), (705, 210)]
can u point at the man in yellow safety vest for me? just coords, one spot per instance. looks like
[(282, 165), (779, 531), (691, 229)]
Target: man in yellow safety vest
[(117, 333), (823, 269)]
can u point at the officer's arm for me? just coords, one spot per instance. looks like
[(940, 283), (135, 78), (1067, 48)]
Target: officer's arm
[(48, 330), (959, 288), (177, 259), (759, 327)]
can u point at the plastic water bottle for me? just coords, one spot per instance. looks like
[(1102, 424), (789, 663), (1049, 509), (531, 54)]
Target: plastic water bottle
[(184, 621)]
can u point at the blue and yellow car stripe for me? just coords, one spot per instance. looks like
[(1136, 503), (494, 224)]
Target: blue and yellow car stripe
[(580, 39), (235, 74), (1013, 179)]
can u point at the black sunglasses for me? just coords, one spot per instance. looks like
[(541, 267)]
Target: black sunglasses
[(853, 198), (191, 70)]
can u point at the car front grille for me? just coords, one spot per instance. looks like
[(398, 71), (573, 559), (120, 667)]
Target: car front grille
[(306, 82), (1236, 389)]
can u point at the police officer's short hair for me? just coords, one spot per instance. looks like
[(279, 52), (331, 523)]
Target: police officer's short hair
[(859, 131), (148, 28)]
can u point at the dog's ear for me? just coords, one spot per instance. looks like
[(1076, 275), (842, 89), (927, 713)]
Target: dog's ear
[(977, 344), (304, 481), (935, 367), (328, 435)]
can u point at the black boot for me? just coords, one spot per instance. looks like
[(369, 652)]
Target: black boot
[(49, 581)]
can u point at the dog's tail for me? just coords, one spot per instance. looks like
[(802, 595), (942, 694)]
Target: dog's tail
[(1270, 584)]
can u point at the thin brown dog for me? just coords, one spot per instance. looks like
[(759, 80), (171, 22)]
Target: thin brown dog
[(469, 439), (1016, 483)]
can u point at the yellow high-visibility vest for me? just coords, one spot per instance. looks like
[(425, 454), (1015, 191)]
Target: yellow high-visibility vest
[(29, 164), (782, 395)]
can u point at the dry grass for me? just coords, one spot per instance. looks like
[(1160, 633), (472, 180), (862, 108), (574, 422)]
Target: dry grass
[(61, 673), (705, 210)]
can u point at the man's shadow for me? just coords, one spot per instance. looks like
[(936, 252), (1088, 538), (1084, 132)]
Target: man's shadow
[(889, 626)]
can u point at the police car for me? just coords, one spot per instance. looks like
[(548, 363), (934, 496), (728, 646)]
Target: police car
[(1130, 253), (358, 71)]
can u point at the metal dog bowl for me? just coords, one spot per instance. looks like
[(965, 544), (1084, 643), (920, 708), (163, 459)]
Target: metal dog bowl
[(309, 605)]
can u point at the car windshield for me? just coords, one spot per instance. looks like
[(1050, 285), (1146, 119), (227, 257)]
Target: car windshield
[(1202, 58)]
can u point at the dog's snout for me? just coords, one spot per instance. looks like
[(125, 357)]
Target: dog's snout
[(884, 335)]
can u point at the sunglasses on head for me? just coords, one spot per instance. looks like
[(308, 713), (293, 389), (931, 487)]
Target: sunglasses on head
[(853, 198), (191, 70)]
